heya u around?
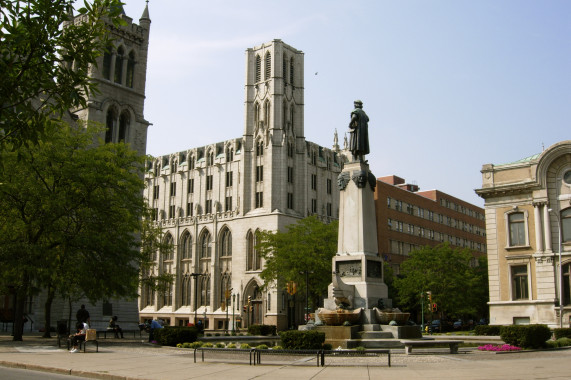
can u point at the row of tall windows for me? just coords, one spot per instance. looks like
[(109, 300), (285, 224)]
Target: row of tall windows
[(117, 125), (118, 66), (267, 67)]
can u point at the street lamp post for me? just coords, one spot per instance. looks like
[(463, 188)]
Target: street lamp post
[(227, 298), (233, 321), (560, 269), (195, 276), (306, 272)]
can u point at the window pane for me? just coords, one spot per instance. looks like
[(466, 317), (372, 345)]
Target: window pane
[(517, 229), (519, 282), (566, 225)]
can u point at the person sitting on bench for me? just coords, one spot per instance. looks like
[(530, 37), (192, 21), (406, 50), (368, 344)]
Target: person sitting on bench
[(79, 336), (115, 327)]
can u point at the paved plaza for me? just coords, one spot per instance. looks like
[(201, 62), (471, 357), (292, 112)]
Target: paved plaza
[(136, 359)]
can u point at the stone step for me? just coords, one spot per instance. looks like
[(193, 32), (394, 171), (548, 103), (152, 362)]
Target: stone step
[(374, 343), (376, 335)]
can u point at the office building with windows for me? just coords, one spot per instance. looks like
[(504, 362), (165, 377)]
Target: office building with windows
[(528, 221), (408, 219), (211, 201)]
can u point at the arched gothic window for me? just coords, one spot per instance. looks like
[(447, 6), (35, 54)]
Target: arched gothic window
[(186, 293), (110, 123), (260, 148), (258, 68), (119, 65), (205, 290), (267, 113), (226, 243), (256, 115), (225, 286), (268, 66), (252, 259), (210, 159), (205, 245), (229, 154), (124, 121), (130, 70), (107, 60), (186, 246)]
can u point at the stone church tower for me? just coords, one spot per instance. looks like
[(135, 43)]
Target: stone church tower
[(119, 105), (121, 74), (274, 131)]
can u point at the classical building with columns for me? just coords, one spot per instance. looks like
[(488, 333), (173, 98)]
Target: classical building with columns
[(211, 200), (528, 223)]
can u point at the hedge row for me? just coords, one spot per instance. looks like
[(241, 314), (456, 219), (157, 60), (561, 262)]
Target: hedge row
[(173, 335), (525, 336), (487, 330), (562, 333), (302, 340), (262, 330)]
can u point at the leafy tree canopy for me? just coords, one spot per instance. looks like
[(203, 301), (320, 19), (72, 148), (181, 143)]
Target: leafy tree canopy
[(308, 245), (457, 286), (44, 62), (71, 215)]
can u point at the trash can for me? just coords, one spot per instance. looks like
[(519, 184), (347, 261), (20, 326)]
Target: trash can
[(61, 327)]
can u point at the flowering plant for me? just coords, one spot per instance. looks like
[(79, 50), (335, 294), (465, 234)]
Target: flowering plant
[(503, 347)]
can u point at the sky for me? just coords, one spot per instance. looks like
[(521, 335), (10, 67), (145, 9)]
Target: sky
[(448, 85)]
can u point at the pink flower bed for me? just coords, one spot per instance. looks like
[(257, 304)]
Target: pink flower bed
[(493, 347)]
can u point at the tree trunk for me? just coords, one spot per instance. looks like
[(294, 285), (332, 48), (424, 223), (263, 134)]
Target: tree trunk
[(20, 304), (48, 312), (69, 316)]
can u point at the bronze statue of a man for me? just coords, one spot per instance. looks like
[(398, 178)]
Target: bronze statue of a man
[(359, 130)]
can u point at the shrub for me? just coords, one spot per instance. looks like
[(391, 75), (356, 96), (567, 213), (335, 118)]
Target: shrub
[(207, 345), (262, 330), (220, 345), (277, 348), (302, 340), (561, 342), (173, 335), (360, 349), (262, 347), (487, 330), (327, 346), (217, 334), (562, 333), (231, 345), (525, 336), (195, 345), (493, 347), (244, 346)]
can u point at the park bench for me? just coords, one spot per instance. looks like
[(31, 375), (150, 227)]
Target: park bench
[(111, 332), (90, 338), (255, 355), (453, 344)]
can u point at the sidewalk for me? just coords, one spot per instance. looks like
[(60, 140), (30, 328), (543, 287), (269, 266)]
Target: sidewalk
[(132, 359)]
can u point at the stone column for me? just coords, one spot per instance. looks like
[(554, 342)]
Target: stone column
[(538, 238), (547, 230)]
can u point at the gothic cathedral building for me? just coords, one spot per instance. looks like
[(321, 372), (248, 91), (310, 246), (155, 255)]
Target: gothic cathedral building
[(211, 201), (119, 105)]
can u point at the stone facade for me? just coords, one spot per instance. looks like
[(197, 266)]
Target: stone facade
[(527, 201), (211, 200)]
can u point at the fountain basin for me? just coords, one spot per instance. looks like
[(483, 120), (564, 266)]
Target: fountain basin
[(338, 317), (385, 316)]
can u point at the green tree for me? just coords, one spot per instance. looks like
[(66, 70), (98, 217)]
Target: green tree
[(448, 274), (70, 218), (308, 244), (44, 67)]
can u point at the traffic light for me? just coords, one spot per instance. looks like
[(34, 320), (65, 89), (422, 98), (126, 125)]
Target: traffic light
[(434, 308)]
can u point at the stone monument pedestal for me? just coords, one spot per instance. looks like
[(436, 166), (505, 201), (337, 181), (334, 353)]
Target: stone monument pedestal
[(357, 266)]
